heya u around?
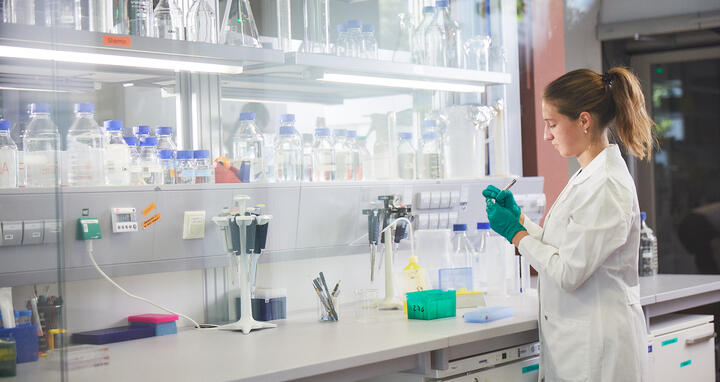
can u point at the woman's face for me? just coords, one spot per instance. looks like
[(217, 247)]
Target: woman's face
[(565, 134)]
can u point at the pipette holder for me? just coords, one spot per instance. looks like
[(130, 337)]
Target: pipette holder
[(387, 215), (241, 240)]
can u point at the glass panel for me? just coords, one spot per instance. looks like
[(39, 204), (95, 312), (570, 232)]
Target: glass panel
[(685, 101)]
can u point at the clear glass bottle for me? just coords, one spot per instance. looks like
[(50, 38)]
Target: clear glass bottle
[(370, 46), (436, 41), (185, 167), (248, 146), (239, 27), (323, 156), (419, 50), (8, 157), (169, 20), (140, 14), (141, 133), (136, 170), (481, 243), (151, 170), (357, 167), (204, 172), (86, 148), (343, 156), (117, 155), (167, 162), (648, 259), (406, 157), (40, 148), (430, 157), (354, 38), (201, 22), (341, 42), (59, 13), (288, 152), (19, 12), (457, 272), (366, 160), (307, 158), (453, 40), (164, 139)]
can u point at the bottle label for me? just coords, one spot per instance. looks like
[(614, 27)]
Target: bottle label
[(202, 173)]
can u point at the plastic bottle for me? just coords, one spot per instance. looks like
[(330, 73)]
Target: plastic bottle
[(19, 12), (453, 40), (169, 20), (354, 38), (343, 156), (201, 22), (248, 146), (357, 165), (204, 173), (307, 158), (8, 157), (142, 132), (185, 167), (648, 259), (341, 42), (59, 13), (167, 162), (140, 13), (151, 171), (406, 157), (86, 148), (288, 151), (457, 273), (366, 161), (436, 41), (497, 249), (430, 157), (40, 148), (136, 170), (370, 46), (481, 243), (323, 156), (117, 155), (164, 139), (419, 52)]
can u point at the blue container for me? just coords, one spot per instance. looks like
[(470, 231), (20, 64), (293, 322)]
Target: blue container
[(110, 335), (26, 340), (161, 329)]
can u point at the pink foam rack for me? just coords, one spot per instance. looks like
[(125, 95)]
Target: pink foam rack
[(153, 318)]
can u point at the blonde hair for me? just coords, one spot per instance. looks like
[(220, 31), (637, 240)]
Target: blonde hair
[(615, 96)]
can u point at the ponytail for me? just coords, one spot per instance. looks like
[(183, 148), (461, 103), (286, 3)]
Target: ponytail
[(615, 97)]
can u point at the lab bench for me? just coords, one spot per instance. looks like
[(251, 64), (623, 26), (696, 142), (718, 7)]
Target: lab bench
[(303, 348)]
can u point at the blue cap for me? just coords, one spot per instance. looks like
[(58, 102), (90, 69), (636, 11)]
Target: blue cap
[(112, 125), (163, 130), (5, 124), (483, 225), (459, 227), (201, 154), (429, 123), (287, 130), (131, 141), (429, 135), (287, 117), (84, 107), (429, 9), (351, 133), (643, 215), (405, 135), (247, 116), (322, 132), (341, 28), (339, 133), (142, 129), (165, 154), (149, 141), (39, 108), (442, 3), (185, 154), (368, 28), (354, 24)]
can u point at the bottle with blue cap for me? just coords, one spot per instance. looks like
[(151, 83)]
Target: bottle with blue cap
[(482, 243), (323, 156), (165, 139), (457, 273), (151, 169), (8, 157), (185, 167), (341, 41), (419, 53), (136, 170), (86, 148), (204, 172), (41, 148), (369, 43), (430, 161), (248, 146), (343, 156), (453, 39), (167, 162), (406, 157), (307, 158), (117, 155), (354, 38), (288, 151), (142, 132)]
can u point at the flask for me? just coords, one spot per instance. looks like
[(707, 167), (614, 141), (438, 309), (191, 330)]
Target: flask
[(86, 148), (419, 52), (648, 250), (168, 21), (167, 162), (369, 47), (136, 173), (323, 156), (150, 163), (248, 146), (406, 157), (140, 14), (204, 173), (430, 157), (185, 168), (117, 155), (40, 148), (201, 22), (238, 25), (307, 158), (8, 157), (288, 152), (343, 156)]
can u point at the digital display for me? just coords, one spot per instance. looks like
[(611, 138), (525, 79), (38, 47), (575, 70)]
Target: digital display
[(122, 218)]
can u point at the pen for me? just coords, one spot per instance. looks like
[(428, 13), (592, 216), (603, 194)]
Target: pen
[(329, 298), (336, 290), (512, 183), (320, 296)]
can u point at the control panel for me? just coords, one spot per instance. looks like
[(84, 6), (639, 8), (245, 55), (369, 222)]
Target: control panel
[(123, 219), (487, 360)]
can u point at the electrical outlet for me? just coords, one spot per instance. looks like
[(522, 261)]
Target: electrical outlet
[(194, 225)]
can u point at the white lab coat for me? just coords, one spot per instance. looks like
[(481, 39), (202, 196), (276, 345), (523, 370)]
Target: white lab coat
[(592, 327)]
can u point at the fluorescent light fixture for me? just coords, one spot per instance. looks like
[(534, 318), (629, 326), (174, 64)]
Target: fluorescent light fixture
[(247, 100), (116, 60), (402, 83), (128, 84), (34, 90)]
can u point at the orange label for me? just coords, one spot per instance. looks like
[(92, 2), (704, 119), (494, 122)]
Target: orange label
[(154, 219), (117, 40), (148, 209)]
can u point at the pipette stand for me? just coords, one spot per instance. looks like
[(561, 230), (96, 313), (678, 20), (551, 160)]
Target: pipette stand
[(236, 223), (390, 302)]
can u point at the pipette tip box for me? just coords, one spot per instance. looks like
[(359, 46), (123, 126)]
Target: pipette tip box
[(26, 341), (110, 335), (431, 304)]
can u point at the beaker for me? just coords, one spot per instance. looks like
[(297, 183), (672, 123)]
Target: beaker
[(477, 53), (316, 24), (284, 25), (238, 25)]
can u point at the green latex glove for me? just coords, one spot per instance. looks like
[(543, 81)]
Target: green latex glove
[(503, 198), (503, 221)]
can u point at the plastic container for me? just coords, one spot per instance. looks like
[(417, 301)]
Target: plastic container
[(201, 22), (203, 167), (430, 161), (491, 313), (151, 170), (117, 155), (169, 20), (323, 156), (142, 132), (26, 340), (185, 167), (343, 156), (457, 273), (41, 148), (140, 14), (648, 259), (248, 146), (8, 157), (288, 152), (167, 162), (431, 304), (86, 148)]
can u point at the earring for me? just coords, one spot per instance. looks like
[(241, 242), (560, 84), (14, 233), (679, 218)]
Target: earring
[(586, 131)]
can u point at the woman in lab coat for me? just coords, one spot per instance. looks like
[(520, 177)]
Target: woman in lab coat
[(591, 322)]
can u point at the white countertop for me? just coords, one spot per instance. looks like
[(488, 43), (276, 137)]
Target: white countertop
[(662, 288)]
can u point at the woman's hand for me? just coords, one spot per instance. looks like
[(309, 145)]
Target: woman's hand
[(503, 221), (503, 198)]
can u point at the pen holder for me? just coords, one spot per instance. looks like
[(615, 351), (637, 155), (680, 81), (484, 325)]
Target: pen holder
[(323, 314)]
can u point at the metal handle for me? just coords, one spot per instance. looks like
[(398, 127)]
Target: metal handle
[(700, 338)]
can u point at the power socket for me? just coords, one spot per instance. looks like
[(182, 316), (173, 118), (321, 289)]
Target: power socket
[(194, 225)]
